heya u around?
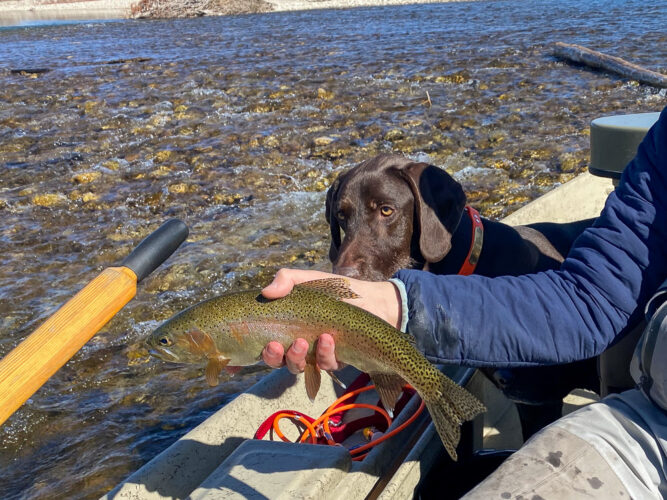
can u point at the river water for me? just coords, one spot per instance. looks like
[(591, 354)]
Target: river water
[(237, 125)]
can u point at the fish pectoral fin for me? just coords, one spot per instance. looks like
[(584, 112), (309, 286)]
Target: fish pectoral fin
[(338, 288), (233, 370), (313, 379), (213, 369), (335, 378), (389, 387)]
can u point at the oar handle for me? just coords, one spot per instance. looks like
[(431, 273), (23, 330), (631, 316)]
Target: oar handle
[(30, 364), (156, 247)]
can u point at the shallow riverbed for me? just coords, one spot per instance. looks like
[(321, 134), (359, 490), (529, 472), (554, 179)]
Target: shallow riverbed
[(238, 125)]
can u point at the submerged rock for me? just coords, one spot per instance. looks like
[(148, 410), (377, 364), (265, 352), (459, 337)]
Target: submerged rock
[(86, 177), (394, 134), (48, 199)]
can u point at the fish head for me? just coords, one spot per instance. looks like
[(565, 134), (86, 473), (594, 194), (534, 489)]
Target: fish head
[(190, 345), (178, 343)]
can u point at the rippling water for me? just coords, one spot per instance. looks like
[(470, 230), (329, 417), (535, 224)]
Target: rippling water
[(237, 125)]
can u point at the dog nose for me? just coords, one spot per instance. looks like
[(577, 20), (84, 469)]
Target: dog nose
[(350, 272)]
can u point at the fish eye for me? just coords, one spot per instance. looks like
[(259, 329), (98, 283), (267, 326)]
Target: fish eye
[(386, 210), (165, 341)]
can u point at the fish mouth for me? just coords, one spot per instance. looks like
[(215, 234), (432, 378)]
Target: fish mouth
[(164, 354)]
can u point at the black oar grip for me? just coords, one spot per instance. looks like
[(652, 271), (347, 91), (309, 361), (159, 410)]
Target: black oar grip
[(156, 248)]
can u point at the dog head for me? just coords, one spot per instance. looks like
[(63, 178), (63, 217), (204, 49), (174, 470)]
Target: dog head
[(394, 213)]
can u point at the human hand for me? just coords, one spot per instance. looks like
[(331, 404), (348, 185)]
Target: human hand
[(380, 298)]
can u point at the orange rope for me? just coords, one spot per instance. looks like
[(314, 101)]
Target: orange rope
[(384, 437), (309, 428), (324, 419), (323, 422)]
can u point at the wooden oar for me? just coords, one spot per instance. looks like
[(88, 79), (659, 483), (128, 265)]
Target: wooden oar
[(26, 368)]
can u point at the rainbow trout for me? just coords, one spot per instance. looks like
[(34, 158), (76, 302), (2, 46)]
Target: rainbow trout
[(231, 330)]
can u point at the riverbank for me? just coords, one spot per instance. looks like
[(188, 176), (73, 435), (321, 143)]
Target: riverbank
[(282, 5), (22, 11)]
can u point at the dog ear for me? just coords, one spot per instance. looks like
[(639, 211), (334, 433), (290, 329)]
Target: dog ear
[(334, 227), (439, 203)]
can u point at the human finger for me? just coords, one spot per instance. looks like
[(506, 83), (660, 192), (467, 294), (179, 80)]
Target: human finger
[(295, 357), (325, 355), (273, 354)]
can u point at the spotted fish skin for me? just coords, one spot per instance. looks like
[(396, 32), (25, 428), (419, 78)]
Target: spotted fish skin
[(231, 330)]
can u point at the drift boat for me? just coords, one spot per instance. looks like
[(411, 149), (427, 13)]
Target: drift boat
[(220, 458)]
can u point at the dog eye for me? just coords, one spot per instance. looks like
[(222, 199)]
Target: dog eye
[(386, 211), (340, 215)]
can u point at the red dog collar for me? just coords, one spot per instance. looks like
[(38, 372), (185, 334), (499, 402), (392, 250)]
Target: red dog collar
[(470, 262)]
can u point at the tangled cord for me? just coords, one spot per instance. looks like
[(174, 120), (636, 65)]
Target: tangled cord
[(316, 429)]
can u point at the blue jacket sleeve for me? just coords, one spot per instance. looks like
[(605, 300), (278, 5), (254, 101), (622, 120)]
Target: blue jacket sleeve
[(556, 316)]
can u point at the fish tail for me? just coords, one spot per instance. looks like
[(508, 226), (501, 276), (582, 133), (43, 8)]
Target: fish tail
[(450, 405)]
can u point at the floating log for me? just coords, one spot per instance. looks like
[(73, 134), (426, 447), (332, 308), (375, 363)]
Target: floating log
[(594, 59), (29, 71), (131, 60)]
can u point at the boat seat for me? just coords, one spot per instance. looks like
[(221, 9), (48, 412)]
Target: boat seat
[(614, 142), (261, 469), (614, 363)]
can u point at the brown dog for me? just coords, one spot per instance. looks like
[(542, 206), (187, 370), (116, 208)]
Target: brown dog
[(397, 214)]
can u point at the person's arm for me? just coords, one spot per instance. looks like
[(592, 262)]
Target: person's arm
[(556, 316)]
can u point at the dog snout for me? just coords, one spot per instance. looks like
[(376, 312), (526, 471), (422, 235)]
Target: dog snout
[(349, 271), (361, 271)]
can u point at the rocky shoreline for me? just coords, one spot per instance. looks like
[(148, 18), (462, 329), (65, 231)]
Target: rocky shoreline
[(17, 11), (195, 8)]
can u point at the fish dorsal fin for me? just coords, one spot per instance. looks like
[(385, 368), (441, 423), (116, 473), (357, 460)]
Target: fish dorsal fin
[(338, 288), (313, 379), (389, 387), (213, 369)]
